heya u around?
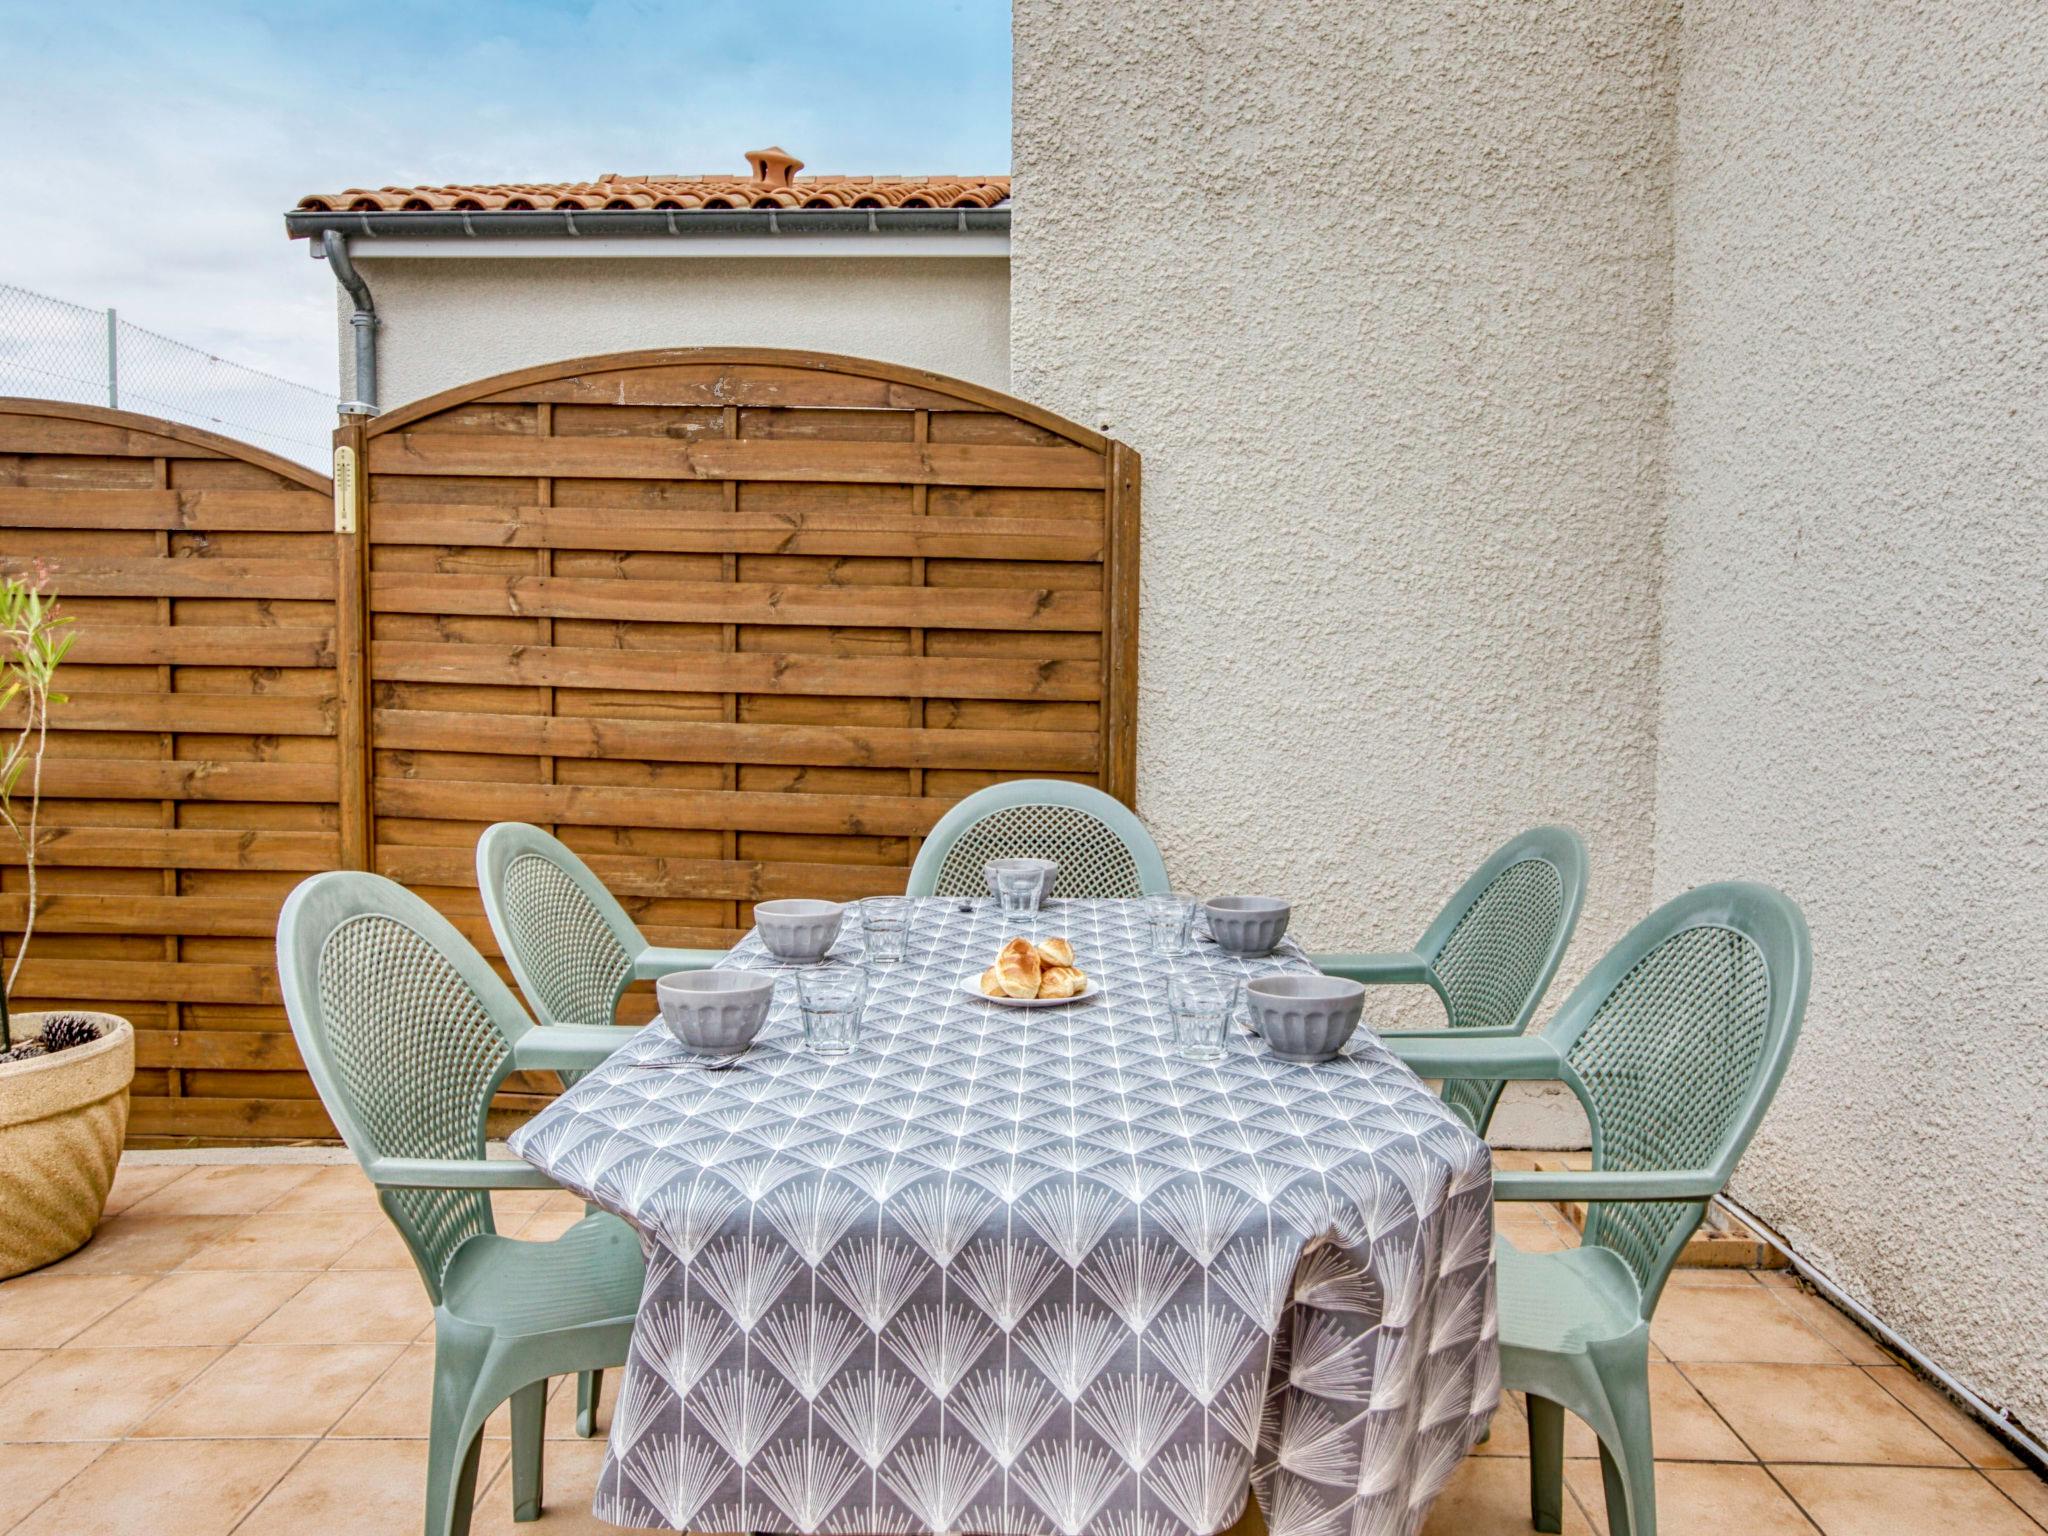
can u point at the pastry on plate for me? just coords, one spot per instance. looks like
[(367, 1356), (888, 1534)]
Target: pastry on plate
[(1055, 951), (1061, 981), (1018, 968), (991, 984)]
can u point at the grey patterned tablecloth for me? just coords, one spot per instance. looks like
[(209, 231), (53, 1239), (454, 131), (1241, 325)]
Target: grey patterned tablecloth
[(1018, 1272)]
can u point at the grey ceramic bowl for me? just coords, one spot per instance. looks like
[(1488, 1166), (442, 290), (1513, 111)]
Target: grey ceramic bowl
[(1048, 870), (715, 1010), (1304, 1018), (798, 930), (1247, 925)]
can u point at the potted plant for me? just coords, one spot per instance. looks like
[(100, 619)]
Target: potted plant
[(63, 1076)]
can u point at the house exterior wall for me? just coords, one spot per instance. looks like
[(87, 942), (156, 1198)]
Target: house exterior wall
[(447, 320), (1856, 622), (1381, 293)]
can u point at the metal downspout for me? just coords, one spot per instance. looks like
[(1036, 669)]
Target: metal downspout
[(363, 323)]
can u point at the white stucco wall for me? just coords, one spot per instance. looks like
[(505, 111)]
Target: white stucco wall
[(1855, 652), (445, 321), (1381, 294)]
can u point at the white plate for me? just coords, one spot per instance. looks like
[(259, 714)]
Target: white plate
[(973, 984)]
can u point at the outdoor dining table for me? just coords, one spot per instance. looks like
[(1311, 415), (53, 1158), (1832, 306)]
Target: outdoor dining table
[(1021, 1271)]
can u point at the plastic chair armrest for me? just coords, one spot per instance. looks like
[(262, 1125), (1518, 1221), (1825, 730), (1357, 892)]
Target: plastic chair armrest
[(567, 1047), (653, 962), (1408, 969), (455, 1173), (1607, 1184), (1451, 1054)]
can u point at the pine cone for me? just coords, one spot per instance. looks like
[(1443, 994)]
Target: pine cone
[(23, 1051), (62, 1031)]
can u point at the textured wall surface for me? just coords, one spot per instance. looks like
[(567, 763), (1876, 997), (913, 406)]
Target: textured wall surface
[(1855, 651), (446, 321), (1381, 294)]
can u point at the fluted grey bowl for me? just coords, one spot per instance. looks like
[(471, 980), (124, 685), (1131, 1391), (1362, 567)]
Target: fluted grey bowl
[(1305, 1018), (1048, 871), (1247, 925), (715, 1010), (798, 930)]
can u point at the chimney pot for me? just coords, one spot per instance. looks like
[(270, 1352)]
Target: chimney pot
[(776, 166)]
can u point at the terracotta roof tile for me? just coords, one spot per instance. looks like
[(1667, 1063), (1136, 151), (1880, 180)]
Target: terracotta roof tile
[(773, 184)]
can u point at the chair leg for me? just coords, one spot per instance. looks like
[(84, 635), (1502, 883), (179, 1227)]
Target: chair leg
[(451, 1473), (529, 1438), (1546, 1464), (1630, 1477), (589, 1387)]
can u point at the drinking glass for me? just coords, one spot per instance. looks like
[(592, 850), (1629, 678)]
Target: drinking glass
[(1169, 918), (1019, 890), (1201, 1008), (830, 998), (885, 923)]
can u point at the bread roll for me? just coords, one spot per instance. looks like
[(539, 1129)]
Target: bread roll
[(1056, 952), (1060, 981), (992, 984), (1018, 968)]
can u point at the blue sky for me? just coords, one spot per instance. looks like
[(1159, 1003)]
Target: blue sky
[(154, 147)]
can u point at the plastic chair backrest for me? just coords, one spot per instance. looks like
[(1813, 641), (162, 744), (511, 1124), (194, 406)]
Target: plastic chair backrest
[(569, 942), (1676, 1042), (1498, 941), (1102, 849), (407, 1033)]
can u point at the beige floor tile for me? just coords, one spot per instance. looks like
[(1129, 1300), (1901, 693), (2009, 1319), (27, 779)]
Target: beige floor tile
[(1510, 1435), (192, 1488), (1721, 1323), (1711, 1279), (43, 1310), (14, 1361), (399, 1402), (509, 1207), (545, 1225), (362, 1487), (287, 1240), (381, 1248), (94, 1394), (568, 1482), (2026, 1489), (370, 1307), (1976, 1444), (188, 1308), (34, 1472), (561, 1415), (1489, 1496), (134, 1181), (1818, 1413), (239, 1189), (1683, 1426), (136, 1243), (1892, 1501), (1823, 1317), (271, 1390), (1700, 1499), (340, 1187)]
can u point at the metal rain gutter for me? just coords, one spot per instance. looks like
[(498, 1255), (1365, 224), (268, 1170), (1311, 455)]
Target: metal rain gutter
[(363, 323), (648, 223)]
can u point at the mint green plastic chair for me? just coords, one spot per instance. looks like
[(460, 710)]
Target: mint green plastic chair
[(1675, 1044), (573, 951), (1102, 849), (408, 1032), (572, 948), (1490, 953)]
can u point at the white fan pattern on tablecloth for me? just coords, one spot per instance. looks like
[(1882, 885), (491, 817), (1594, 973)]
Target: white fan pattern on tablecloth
[(1032, 1273)]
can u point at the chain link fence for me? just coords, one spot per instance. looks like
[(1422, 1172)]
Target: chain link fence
[(54, 350)]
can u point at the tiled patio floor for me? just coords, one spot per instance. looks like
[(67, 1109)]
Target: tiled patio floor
[(243, 1348)]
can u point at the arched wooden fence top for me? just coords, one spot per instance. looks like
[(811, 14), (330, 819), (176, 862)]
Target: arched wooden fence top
[(195, 767)]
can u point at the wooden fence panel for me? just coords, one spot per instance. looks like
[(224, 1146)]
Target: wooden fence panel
[(734, 624), (194, 772)]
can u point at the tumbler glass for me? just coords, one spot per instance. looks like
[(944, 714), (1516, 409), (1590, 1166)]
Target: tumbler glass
[(885, 925), (1019, 891), (1200, 1006), (1169, 918), (830, 998)]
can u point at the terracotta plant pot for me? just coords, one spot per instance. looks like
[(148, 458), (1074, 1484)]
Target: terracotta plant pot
[(62, 1119)]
